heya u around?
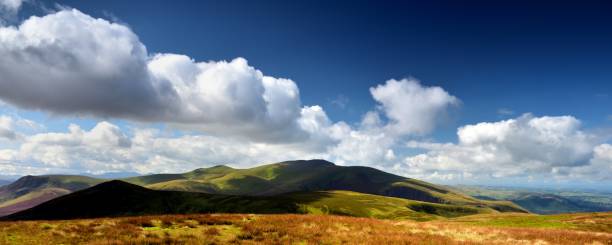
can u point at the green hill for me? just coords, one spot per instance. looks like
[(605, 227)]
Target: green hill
[(266, 180), (311, 175), (118, 198)]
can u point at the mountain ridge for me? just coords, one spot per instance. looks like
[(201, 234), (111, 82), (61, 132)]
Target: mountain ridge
[(265, 180), (117, 198)]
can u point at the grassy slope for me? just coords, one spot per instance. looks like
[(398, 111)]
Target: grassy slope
[(129, 199)]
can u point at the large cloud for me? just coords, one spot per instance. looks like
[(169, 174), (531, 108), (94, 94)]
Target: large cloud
[(230, 97), (411, 107), (71, 63), (523, 146), (104, 143)]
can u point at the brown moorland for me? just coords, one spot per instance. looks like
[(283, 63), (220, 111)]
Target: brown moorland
[(594, 228)]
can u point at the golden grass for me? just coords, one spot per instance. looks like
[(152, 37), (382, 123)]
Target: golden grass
[(293, 229)]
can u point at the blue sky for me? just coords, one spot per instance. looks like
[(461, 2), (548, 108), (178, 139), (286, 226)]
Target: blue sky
[(500, 60)]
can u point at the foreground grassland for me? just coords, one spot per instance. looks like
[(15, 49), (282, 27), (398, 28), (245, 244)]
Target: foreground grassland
[(513, 229)]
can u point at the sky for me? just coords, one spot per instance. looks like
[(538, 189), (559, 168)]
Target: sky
[(511, 93)]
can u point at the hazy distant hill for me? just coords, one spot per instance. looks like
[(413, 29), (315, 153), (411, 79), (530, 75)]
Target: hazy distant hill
[(4, 182), (30, 191), (544, 201), (266, 180), (118, 198)]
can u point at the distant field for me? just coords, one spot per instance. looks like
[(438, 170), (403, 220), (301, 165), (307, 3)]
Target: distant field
[(594, 228)]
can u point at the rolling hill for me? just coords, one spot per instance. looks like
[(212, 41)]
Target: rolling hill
[(310, 175), (118, 198), (267, 180)]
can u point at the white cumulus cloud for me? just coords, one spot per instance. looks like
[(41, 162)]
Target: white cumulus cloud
[(105, 143), (522, 146), (411, 107), (230, 97)]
